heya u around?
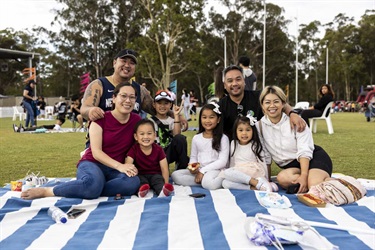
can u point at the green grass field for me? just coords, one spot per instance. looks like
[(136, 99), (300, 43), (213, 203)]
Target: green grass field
[(351, 147)]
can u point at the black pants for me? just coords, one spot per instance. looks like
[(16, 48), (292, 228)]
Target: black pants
[(320, 160), (156, 181), (310, 113), (177, 152), (40, 127)]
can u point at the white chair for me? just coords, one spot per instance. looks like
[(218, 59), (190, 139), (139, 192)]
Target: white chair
[(325, 116), (302, 105), (18, 111), (49, 112)]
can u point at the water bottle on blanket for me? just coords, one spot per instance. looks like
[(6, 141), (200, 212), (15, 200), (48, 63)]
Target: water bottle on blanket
[(57, 215)]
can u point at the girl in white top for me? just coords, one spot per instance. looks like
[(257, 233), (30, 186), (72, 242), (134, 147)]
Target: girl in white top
[(185, 102), (248, 169), (210, 148), (304, 164)]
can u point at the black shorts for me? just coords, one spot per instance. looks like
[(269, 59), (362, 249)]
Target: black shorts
[(320, 160), (61, 118)]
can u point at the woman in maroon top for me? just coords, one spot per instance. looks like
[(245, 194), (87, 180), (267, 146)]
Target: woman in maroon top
[(102, 170)]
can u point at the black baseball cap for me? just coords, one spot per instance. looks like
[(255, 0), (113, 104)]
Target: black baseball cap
[(127, 53)]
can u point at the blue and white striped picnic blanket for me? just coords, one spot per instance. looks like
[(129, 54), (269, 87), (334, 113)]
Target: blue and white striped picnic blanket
[(178, 222)]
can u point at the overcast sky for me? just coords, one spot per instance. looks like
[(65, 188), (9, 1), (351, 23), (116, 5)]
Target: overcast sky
[(22, 14)]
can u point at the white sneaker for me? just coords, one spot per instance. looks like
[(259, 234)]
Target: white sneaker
[(57, 127), (263, 185), (34, 179)]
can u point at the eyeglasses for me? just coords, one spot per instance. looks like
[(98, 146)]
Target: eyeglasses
[(131, 98), (239, 110)]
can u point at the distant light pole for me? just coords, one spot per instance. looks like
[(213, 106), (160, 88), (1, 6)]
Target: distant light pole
[(297, 62), (225, 51), (327, 50), (264, 44)]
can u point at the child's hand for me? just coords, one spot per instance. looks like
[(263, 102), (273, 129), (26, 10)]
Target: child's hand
[(177, 110), (194, 167), (198, 177)]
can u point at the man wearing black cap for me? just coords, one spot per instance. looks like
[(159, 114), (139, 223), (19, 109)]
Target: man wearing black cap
[(29, 104), (98, 95)]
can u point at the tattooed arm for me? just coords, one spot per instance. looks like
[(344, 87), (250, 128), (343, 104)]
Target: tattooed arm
[(90, 101)]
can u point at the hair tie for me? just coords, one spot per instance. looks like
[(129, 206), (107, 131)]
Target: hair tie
[(217, 108)]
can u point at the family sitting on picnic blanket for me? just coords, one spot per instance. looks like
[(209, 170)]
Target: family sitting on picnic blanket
[(231, 149)]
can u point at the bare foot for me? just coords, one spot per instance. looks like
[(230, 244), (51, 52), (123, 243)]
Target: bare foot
[(34, 193)]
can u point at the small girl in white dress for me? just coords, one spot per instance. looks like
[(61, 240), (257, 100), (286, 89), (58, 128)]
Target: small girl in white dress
[(248, 169)]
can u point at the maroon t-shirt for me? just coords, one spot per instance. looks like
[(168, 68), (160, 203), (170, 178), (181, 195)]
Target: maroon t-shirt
[(117, 138), (147, 164)]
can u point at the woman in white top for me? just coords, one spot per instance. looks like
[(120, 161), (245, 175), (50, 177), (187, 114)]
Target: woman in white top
[(304, 164), (209, 148)]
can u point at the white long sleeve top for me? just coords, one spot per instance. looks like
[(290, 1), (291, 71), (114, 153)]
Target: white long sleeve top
[(282, 144), (209, 159), (244, 155)]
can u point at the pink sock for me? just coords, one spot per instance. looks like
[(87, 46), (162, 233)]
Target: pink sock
[(143, 190)]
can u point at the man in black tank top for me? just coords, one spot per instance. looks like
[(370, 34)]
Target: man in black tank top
[(98, 95)]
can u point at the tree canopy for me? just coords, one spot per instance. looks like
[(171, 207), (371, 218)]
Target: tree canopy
[(177, 40)]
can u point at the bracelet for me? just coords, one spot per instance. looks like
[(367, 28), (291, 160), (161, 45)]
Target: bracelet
[(177, 122), (292, 111)]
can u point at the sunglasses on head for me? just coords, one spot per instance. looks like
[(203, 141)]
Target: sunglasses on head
[(239, 110)]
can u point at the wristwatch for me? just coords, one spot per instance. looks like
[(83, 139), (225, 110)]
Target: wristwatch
[(292, 111)]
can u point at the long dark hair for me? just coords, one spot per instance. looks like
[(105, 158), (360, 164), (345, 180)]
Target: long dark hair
[(217, 132), (330, 90), (185, 92), (117, 90), (257, 145)]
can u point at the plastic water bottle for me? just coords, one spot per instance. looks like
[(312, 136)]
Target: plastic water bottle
[(57, 214)]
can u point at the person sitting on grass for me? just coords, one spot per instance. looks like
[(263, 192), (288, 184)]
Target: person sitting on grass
[(61, 109), (303, 164), (209, 152), (102, 170), (168, 130), (76, 113), (150, 160), (247, 166)]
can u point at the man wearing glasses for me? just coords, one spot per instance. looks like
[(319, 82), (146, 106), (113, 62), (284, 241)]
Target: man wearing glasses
[(240, 102), (98, 95)]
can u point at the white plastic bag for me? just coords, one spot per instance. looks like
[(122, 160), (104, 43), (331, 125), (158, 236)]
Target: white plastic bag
[(266, 230)]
